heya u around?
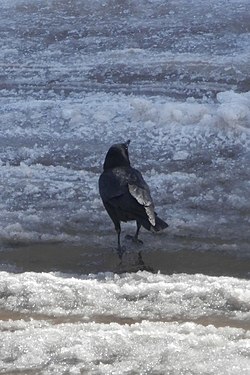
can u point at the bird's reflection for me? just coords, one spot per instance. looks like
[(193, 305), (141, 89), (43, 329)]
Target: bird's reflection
[(133, 262)]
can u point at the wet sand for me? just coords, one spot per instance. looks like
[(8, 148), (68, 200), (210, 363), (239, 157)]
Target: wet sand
[(215, 320), (84, 259)]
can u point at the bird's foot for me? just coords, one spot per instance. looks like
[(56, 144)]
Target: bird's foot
[(134, 239)]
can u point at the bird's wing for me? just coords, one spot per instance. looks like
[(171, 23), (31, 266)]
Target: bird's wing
[(139, 189), (122, 183), (110, 186)]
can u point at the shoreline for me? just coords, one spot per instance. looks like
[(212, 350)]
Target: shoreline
[(73, 260), (92, 259)]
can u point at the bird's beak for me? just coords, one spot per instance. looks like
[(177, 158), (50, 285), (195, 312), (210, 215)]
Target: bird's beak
[(127, 143)]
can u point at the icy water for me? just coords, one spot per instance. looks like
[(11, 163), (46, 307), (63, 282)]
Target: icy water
[(75, 77)]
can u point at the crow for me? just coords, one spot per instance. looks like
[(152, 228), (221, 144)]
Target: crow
[(125, 194)]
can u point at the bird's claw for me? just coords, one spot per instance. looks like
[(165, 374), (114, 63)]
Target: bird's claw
[(134, 239)]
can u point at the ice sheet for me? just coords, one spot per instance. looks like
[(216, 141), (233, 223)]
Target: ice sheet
[(134, 296), (155, 348), (75, 77), (194, 156)]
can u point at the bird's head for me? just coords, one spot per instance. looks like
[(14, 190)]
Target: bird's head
[(117, 156)]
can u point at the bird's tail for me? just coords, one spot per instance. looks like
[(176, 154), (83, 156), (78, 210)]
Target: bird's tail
[(159, 225)]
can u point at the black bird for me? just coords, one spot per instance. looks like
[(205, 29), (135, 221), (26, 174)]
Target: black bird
[(125, 194)]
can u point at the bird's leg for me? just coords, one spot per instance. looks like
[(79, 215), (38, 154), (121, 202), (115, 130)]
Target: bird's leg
[(135, 237), (137, 232), (118, 231), (120, 249)]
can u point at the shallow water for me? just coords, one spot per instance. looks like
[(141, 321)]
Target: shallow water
[(75, 77), (84, 260)]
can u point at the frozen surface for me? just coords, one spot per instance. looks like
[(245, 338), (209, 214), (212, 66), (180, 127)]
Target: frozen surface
[(130, 46), (130, 296), (72, 322), (150, 348), (75, 77), (194, 155)]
